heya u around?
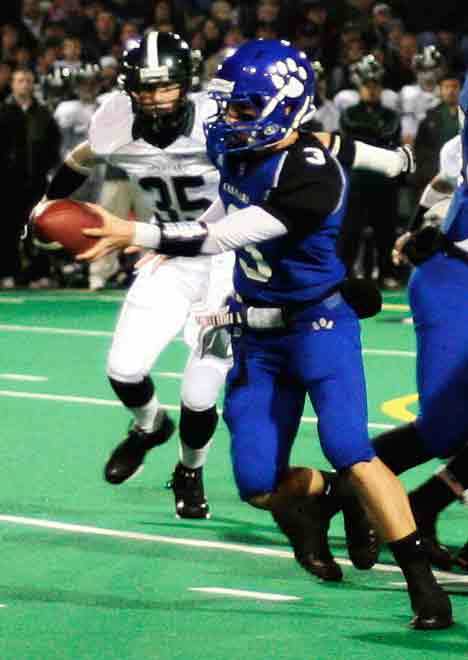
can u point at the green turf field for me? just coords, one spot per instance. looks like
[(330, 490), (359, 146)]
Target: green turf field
[(94, 572)]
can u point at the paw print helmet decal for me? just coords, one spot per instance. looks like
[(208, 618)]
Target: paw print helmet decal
[(274, 80)]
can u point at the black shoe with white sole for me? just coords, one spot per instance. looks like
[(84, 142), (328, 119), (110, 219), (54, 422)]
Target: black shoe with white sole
[(187, 486), (127, 458)]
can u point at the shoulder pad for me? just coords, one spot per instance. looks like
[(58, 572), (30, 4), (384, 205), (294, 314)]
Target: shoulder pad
[(111, 125), (205, 107)]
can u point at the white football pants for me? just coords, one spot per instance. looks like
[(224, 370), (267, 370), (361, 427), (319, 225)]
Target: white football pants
[(156, 308)]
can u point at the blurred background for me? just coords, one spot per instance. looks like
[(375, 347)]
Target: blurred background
[(387, 73)]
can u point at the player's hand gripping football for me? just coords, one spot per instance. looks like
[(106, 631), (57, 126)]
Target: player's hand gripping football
[(115, 234)]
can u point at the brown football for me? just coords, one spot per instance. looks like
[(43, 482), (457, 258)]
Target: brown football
[(62, 221)]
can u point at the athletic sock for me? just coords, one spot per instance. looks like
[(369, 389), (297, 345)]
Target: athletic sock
[(401, 449), (427, 501), (193, 458), (410, 557), (150, 416)]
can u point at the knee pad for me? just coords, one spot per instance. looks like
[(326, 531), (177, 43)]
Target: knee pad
[(133, 395), (196, 428), (123, 373), (201, 386)]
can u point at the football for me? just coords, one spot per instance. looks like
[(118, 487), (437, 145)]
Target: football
[(59, 223)]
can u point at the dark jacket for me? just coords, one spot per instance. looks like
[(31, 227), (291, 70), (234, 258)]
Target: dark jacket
[(29, 146)]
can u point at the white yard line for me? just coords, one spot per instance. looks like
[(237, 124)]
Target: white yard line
[(171, 540), (42, 329), (47, 330), (24, 377), (66, 398), (4, 327), (242, 593)]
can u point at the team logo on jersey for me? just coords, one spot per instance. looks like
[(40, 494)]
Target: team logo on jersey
[(232, 190), (323, 324)]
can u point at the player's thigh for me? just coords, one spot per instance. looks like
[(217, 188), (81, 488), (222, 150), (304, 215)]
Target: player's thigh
[(332, 371), (154, 312), (442, 377), (262, 412), (440, 309)]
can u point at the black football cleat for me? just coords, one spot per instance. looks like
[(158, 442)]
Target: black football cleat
[(127, 458), (304, 522), (361, 538), (432, 608), (187, 486)]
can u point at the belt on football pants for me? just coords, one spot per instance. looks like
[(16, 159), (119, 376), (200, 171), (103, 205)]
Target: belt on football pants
[(241, 314)]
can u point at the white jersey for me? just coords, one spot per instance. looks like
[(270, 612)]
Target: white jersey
[(348, 97), (328, 116), (415, 103), (450, 160), (178, 182)]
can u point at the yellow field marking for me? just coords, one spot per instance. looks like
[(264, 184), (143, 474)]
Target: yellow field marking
[(398, 408)]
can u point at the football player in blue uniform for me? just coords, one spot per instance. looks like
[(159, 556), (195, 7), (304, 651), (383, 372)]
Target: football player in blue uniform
[(295, 333), (437, 296)]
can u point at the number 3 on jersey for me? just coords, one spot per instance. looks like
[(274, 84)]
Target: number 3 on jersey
[(172, 198), (260, 271)]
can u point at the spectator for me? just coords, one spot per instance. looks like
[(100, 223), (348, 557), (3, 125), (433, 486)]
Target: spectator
[(351, 53), (106, 35), (221, 11), (417, 99), (71, 54), (439, 126), (371, 122), (9, 42), (32, 21), (401, 71), (109, 73), (349, 97), (5, 80), (29, 149), (166, 12), (326, 116), (128, 33), (381, 20)]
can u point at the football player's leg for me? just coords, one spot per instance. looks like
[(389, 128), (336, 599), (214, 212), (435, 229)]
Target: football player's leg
[(153, 313), (336, 386), (203, 380), (447, 485), (339, 400), (262, 410)]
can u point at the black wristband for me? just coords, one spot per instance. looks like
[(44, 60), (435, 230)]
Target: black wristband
[(64, 182), (182, 239)]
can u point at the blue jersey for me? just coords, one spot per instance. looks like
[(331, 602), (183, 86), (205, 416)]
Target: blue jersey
[(305, 188)]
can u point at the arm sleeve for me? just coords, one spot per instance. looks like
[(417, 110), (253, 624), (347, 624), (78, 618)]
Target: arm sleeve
[(244, 227)]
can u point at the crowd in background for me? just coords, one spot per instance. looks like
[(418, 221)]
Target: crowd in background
[(376, 80)]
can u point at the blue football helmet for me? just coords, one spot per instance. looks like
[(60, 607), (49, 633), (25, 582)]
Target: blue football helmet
[(273, 79)]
